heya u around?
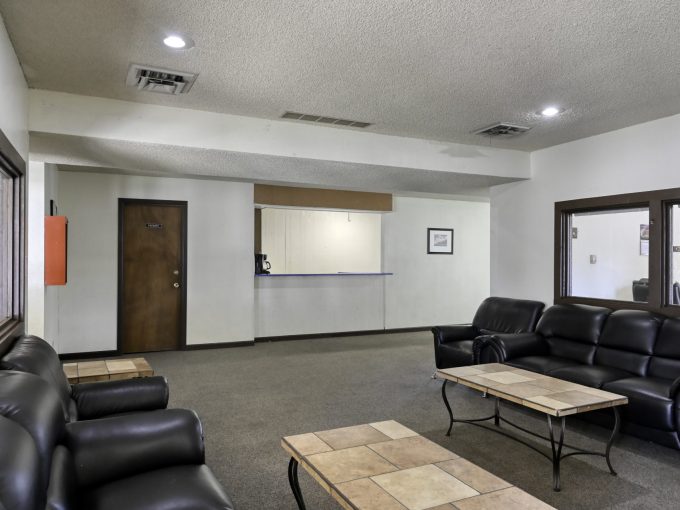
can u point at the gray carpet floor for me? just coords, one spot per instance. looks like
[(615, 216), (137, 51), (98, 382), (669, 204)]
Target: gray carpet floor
[(249, 397)]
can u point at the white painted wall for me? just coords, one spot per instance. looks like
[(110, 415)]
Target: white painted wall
[(639, 158), (35, 267), (220, 257), (424, 290), (427, 290), (14, 96), (313, 241), (614, 239), (69, 114), (302, 305)]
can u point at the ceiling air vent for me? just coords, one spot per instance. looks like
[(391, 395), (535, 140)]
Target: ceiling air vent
[(324, 120), (502, 130), (156, 79)]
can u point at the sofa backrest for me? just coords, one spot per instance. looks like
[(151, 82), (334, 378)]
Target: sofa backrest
[(572, 331), (666, 360), (627, 340), (507, 315), (34, 355)]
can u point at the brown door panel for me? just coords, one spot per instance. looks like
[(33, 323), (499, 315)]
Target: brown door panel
[(151, 285)]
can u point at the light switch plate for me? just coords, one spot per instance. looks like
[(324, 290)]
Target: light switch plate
[(593, 259)]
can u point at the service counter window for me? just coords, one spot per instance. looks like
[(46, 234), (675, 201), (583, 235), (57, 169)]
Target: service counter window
[(620, 251), (306, 241)]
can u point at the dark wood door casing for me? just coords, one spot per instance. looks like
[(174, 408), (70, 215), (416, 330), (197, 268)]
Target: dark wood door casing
[(151, 275)]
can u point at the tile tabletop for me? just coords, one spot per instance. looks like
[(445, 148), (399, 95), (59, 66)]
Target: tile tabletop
[(541, 392), (386, 466)]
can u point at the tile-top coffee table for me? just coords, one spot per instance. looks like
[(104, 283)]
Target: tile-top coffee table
[(386, 466), (107, 370), (554, 397)]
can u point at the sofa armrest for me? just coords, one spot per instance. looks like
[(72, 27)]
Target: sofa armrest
[(112, 448), (503, 347), (453, 333), (100, 399)]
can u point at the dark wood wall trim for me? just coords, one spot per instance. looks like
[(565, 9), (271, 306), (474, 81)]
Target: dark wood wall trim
[(218, 345), (321, 198), (659, 248), (69, 356), (14, 165)]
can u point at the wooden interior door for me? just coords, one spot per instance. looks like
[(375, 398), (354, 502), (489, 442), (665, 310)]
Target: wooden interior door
[(151, 275)]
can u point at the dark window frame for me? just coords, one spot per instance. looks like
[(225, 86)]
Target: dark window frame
[(660, 241), (14, 167)]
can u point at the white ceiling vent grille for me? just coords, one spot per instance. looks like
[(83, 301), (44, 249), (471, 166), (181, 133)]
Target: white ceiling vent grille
[(162, 81), (502, 130), (324, 120)]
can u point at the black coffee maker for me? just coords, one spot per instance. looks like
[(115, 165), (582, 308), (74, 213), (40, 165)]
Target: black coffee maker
[(261, 264)]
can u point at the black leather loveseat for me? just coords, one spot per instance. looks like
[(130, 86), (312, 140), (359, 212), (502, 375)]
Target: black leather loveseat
[(453, 343), (628, 352), (87, 400), (140, 461)]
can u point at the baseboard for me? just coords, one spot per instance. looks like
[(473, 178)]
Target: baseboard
[(218, 345), (87, 355), (339, 334)]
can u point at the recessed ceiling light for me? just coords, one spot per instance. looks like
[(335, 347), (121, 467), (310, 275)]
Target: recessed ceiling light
[(550, 111), (178, 42)]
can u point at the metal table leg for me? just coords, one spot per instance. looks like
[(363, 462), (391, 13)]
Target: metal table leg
[(556, 451), (448, 407), (615, 432), (294, 484)]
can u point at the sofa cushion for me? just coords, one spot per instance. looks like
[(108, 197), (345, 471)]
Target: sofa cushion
[(19, 468), (507, 315), (589, 375), (540, 364), (455, 354), (666, 360), (174, 488), (648, 401), (627, 340)]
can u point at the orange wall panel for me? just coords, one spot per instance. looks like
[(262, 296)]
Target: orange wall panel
[(55, 250)]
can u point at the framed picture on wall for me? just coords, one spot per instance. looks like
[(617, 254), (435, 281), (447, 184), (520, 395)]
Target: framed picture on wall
[(440, 241)]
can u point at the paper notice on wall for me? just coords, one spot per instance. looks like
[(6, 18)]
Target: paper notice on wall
[(644, 247)]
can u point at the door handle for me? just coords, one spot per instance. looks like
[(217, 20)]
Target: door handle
[(176, 285)]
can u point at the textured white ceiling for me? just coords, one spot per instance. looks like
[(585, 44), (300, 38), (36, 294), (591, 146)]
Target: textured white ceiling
[(97, 154), (429, 69)]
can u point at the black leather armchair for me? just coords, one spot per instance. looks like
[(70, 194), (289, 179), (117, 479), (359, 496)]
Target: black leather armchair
[(85, 401), (145, 461), (453, 344)]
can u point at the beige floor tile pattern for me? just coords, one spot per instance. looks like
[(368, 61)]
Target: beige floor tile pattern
[(476, 477), (349, 464), (365, 494), (347, 437), (308, 444), (506, 499), (423, 487), (393, 429), (412, 451)]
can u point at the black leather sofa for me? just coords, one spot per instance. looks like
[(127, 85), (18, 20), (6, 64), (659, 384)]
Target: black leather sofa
[(87, 400), (139, 461), (453, 343), (628, 352)]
